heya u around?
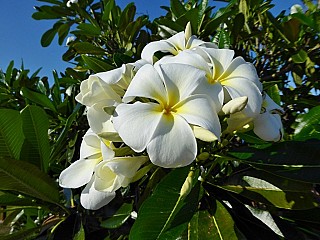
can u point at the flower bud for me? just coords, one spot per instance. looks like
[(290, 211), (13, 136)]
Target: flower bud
[(187, 185)]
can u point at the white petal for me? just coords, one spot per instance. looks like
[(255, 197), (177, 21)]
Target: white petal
[(199, 110), (94, 90), (173, 144), (105, 179), (93, 199), (78, 173), (97, 117), (90, 145), (146, 83), (178, 41), (239, 68), (106, 151), (112, 76), (270, 105), (127, 166), (239, 87), (151, 48), (220, 58), (136, 123), (268, 127), (181, 80)]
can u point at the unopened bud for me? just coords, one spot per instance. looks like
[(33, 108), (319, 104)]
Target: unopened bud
[(235, 105), (187, 185)]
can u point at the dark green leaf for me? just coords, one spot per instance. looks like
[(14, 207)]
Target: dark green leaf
[(38, 98), (9, 72), (8, 199), (165, 214), (89, 29), (300, 57), (22, 234), (27, 179), (11, 134), (308, 125), (97, 65), (47, 37), (273, 190), (119, 218), (177, 8), (35, 125), (88, 48), (63, 32), (294, 160)]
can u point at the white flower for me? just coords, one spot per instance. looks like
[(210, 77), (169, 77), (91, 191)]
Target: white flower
[(296, 8), (227, 78), (112, 174), (98, 96), (70, 2), (178, 42), (109, 176), (162, 126), (267, 125), (79, 173), (70, 40)]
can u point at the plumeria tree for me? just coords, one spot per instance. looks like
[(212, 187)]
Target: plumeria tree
[(200, 124)]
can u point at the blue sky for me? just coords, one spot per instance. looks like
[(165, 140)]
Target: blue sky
[(20, 34)]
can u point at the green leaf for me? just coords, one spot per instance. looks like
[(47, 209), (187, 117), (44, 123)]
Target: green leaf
[(23, 177), (63, 32), (293, 160), (48, 36), (35, 125), (218, 226), (11, 134), (273, 190), (308, 125), (38, 98), (80, 235), (300, 57), (222, 39), (119, 218), (165, 215), (177, 8), (9, 72), (96, 64), (22, 234), (274, 94), (88, 48), (89, 28), (8, 199)]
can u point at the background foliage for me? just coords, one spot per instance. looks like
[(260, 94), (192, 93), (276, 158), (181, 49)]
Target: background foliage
[(253, 189)]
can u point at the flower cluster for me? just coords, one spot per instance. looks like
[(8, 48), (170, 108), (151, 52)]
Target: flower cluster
[(159, 106)]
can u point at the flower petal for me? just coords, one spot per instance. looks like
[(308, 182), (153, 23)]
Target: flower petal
[(146, 83), (78, 173), (93, 199), (173, 143), (90, 145), (239, 87), (235, 105), (151, 48), (136, 123), (239, 68), (268, 127), (113, 76), (97, 117), (199, 110), (127, 166), (181, 80)]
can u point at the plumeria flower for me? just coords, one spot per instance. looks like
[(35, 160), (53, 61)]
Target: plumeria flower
[(164, 125), (228, 79), (178, 42), (79, 173), (267, 125), (70, 2), (98, 96), (110, 175)]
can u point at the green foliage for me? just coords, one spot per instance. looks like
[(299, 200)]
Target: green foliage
[(247, 187)]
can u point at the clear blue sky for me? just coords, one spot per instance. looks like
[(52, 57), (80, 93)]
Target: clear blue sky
[(20, 34)]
